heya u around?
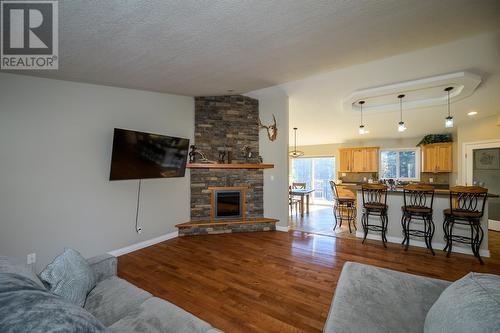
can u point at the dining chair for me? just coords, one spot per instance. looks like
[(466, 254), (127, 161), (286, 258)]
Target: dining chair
[(299, 186), (292, 201)]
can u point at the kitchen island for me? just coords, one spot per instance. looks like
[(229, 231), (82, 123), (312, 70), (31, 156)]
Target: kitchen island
[(394, 228)]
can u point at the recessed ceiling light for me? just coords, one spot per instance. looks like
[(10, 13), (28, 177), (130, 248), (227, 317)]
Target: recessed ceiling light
[(472, 113)]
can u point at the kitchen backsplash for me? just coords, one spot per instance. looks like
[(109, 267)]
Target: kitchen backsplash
[(357, 177), (438, 178), (425, 177)]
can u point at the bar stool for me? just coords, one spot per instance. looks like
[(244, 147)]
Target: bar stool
[(344, 208), (374, 204), (418, 200), (466, 209)]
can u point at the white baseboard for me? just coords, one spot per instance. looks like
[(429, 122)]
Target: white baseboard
[(494, 225), (141, 245), (435, 245), (281, 228)]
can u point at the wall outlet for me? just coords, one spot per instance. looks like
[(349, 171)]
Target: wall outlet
[(431, 180), (31, 258), (344, 174), (139, 230)]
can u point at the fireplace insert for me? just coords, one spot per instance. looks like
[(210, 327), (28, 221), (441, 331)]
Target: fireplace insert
[(228, 204)]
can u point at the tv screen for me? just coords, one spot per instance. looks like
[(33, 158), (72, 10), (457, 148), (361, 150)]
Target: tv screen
[(138, 155)]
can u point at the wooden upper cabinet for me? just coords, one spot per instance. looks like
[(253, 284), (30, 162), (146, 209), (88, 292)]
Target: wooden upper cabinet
[(437, 157), (428, 158), (371, 159), (345, 160), (359, 159)]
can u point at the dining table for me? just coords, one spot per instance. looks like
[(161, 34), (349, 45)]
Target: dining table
[(302, 193)]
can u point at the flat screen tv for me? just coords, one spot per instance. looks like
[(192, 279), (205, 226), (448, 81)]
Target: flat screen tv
[(139, 155)]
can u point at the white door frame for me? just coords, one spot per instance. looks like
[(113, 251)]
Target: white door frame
[(468, 166)]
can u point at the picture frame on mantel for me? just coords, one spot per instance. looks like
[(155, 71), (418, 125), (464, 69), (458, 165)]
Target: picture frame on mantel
[(487, 159)]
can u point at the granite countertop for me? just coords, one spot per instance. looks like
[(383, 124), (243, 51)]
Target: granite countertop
[(439, 189)]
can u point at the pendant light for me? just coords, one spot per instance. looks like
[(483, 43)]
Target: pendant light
[(362, 130), (401, 124), (295, 153), (448, 122)]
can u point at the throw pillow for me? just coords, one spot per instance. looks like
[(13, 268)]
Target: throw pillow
[(470, 304), (70, 277), (27, 307)]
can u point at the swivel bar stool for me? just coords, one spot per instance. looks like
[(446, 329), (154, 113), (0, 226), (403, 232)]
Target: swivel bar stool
[(466, 209), (418, 200), (374, 204), (344, 208)]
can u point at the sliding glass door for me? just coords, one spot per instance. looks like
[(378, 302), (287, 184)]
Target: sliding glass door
[(316, 172)]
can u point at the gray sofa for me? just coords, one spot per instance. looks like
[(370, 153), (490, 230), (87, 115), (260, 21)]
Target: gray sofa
[(121, 306), (372, 299)]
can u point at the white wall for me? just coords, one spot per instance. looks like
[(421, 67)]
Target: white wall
[(55, 151), (274, 101)]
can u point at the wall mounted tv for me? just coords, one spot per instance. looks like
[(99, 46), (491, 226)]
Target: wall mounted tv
[(138, 155)]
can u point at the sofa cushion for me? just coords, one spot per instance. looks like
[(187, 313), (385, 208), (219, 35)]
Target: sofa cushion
[(114, 298), (69, 276), (471, 304), (27, 307), (371, 299), (12, 265), (157, 315)]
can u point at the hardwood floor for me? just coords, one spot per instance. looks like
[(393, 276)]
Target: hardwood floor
[(274, 281)]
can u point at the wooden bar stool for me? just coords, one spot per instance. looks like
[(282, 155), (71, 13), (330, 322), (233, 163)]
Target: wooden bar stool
[(344, 208), (374, 204), (418, 200), (466, 208)]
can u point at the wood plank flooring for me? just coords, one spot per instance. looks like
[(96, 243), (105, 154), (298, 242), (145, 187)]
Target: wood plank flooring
[(274, 281)]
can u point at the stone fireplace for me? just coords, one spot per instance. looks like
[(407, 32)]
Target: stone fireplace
[(226, 124)]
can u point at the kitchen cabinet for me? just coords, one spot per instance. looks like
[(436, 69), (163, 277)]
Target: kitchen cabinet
[(360, 159), (345, 160), (437, 157)]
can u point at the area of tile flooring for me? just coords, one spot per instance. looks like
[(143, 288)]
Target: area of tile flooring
[(320, 220)]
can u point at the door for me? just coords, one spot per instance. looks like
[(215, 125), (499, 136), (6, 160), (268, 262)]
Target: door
[(482, 167), (316, 172)]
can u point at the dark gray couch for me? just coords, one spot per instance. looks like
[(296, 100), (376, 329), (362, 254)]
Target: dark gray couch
[(121, 306)]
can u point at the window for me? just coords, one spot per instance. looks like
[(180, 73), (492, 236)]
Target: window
[(316, 172), (401, 164)]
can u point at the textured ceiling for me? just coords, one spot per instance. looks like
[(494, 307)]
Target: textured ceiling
[(207, 47)]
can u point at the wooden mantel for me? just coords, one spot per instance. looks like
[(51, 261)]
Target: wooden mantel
[(229, 166)]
